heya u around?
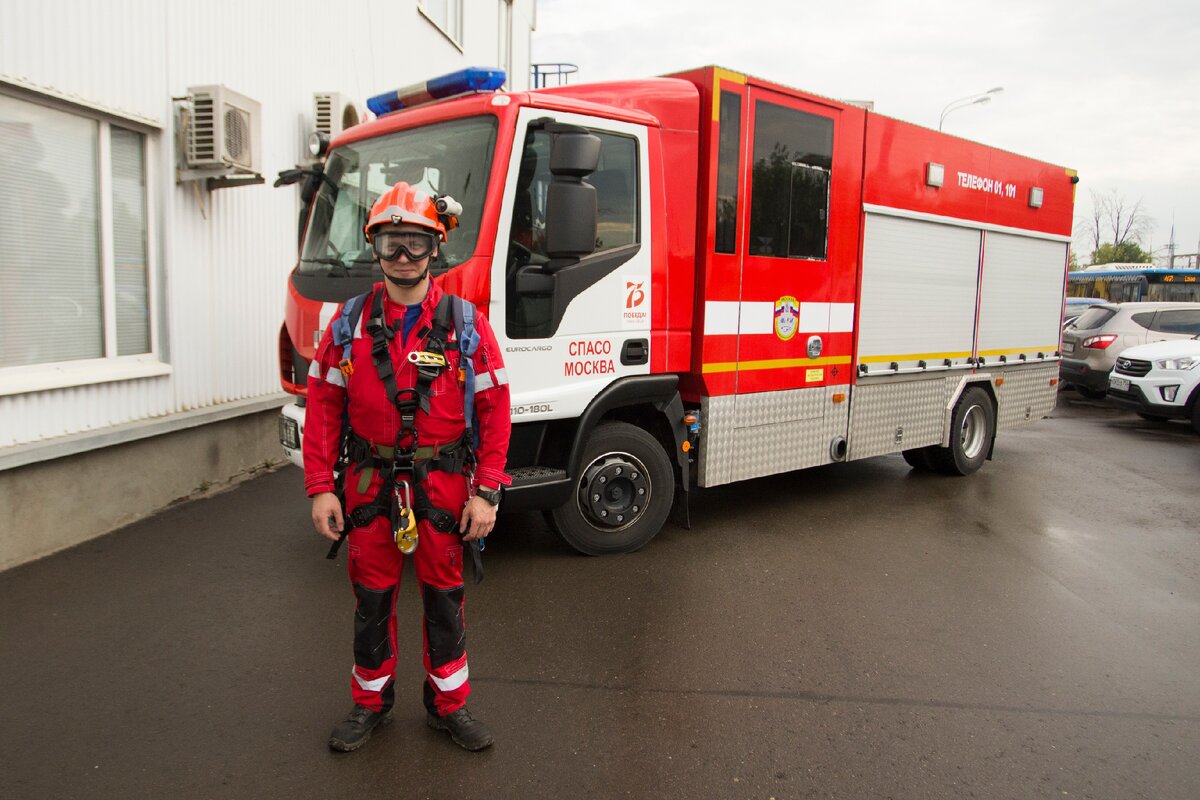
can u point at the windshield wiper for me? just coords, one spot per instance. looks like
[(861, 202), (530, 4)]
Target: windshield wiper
[(330, 262)]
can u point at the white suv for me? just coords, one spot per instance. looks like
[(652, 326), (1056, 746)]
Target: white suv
[(1160, 380)]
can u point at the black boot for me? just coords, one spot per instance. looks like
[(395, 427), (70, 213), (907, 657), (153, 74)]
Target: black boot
[(353, 732), (464, 729)]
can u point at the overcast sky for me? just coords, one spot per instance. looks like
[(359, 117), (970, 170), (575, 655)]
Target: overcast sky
[(1111, 89)]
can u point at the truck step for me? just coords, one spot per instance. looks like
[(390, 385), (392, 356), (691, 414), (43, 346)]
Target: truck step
[(533, 476)]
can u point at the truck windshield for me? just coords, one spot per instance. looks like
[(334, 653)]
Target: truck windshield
[(451, 158)]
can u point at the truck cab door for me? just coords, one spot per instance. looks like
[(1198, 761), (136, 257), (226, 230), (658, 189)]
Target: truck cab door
[(568, 327)]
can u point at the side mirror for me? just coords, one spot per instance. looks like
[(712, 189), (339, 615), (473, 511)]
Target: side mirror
[(574, 153), (570, 202)]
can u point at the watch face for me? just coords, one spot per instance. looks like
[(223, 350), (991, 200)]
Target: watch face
[(491, 495)]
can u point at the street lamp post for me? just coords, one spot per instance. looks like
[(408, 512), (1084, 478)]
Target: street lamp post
[(969, 100)]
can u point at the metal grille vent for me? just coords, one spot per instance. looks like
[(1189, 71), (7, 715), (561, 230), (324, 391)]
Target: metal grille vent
[(237, 136), (323, 111), (201, 137), (1132, 366)]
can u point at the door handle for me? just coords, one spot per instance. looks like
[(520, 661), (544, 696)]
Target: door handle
[(635, 352)]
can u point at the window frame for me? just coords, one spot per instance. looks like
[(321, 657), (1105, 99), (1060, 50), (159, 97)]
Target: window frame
[(453, 7), (590, 269), (22, 379), (757, 200)]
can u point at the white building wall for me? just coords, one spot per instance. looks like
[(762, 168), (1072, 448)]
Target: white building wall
[(219, 259)]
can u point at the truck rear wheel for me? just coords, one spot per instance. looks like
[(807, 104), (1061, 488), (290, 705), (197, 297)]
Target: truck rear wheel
[(623, 493), (972, 428)]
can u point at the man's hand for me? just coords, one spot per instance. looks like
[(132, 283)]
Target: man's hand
[(327, 515), (478, 519)]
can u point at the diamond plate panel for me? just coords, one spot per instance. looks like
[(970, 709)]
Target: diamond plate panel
[(717, 436), (749, 436), (914, 407), (1026, 394)]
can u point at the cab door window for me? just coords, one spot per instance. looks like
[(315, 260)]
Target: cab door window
[(617, 214)]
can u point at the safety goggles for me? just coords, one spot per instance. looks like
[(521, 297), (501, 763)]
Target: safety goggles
[(414, 244)]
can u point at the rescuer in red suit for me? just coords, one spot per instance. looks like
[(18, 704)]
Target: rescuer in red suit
[(448, 487)]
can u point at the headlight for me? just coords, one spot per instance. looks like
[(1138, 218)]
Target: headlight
[(1186, 362)]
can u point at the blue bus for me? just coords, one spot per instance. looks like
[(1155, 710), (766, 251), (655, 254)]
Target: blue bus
[(1124, 283)]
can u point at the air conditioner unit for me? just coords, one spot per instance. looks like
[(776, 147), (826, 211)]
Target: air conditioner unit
[(333, 113), (224, 131)]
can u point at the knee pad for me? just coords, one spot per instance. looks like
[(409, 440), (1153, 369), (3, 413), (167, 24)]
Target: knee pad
[(445, 634), (372, 644)]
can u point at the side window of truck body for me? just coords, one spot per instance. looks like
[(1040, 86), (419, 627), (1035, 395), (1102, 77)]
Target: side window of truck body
[(789, 197)]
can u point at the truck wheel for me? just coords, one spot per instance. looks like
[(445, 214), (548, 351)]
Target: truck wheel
[(1090, 394), (972, 428), (624, 492)]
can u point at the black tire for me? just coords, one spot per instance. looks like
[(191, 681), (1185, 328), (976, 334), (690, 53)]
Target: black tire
[(1196, 415), (919, 458), (1090, 394), (623, 494), (972, 428)]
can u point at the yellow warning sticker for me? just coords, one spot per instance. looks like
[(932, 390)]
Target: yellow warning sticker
[(814, 375)]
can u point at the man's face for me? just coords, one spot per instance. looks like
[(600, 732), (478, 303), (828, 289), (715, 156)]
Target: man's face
[(404, 250)]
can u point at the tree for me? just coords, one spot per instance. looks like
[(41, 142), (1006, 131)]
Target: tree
[(1126, 252), (1117, 221)]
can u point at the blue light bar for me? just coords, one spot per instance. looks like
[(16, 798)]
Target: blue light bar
[(471, 79)]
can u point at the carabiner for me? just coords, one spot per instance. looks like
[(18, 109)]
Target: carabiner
[(405, 532), (424, 358)]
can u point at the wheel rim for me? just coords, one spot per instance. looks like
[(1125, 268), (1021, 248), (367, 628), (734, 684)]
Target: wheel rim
[(614, 492), (972, 434)]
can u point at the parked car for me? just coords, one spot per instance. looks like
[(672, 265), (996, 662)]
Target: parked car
[(1075, 306), (1160, 380), (1102, 332)]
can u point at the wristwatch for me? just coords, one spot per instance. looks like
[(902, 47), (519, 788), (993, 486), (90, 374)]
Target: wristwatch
[(491, 495)]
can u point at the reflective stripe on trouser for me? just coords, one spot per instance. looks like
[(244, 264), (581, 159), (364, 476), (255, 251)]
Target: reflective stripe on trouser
[(375, 565)]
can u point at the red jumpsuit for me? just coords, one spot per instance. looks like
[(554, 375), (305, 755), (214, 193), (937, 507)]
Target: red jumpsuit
[(375, 563)]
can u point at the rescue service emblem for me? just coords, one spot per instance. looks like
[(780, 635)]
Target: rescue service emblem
[(787, 317)]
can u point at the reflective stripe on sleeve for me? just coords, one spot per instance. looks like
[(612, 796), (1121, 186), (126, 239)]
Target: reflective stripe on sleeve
[(484, 381), (452, 682), (314, 370)]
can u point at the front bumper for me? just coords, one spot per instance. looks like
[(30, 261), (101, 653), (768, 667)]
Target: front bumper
[(291, 433), (1144, 395)]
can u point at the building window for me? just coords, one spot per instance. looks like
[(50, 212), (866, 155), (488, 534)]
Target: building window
[(74, 267), (446, 15)]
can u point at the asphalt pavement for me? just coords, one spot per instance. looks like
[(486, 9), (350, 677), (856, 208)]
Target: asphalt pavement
[(852, 631)]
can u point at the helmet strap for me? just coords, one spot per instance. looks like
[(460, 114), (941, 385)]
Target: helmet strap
[(408, 283)]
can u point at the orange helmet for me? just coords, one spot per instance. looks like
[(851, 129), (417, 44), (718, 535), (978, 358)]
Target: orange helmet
[(405, 204)]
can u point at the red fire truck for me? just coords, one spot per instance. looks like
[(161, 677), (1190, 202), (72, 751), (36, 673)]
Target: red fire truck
[(708, 277)]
